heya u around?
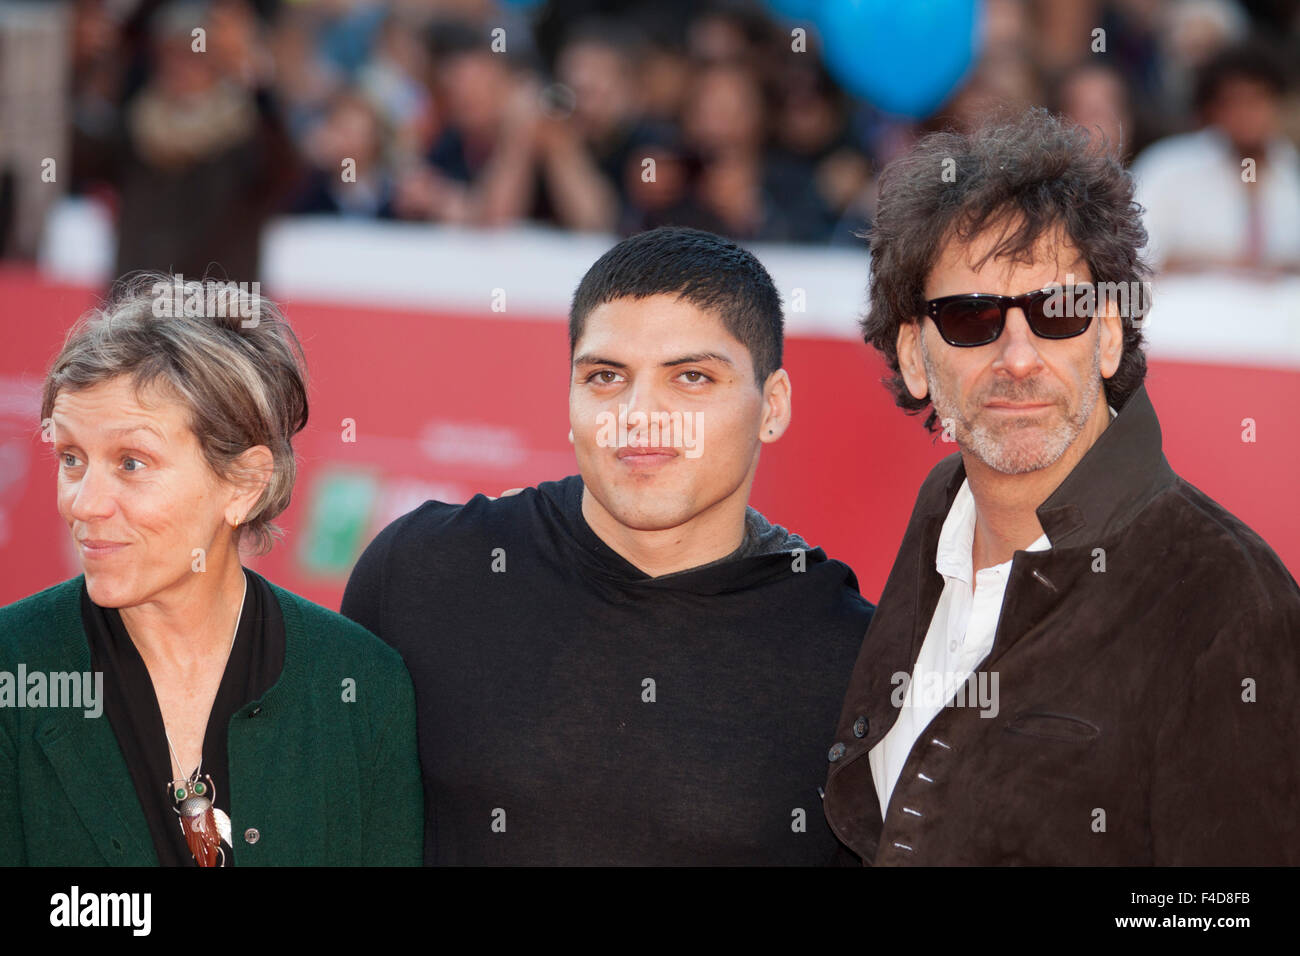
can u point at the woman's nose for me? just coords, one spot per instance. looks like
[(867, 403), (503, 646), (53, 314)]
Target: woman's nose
[(93, 497)]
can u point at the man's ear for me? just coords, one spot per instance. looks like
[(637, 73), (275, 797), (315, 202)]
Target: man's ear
[(910, 362), (776, 406), (1111, 346)]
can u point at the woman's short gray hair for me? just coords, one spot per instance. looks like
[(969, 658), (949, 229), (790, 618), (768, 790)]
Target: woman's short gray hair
[(223, 351)]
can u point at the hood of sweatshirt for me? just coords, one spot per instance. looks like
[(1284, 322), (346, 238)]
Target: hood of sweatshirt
[(768, 551)]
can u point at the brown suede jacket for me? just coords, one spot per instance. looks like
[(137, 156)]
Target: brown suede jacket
[(1148, 713)]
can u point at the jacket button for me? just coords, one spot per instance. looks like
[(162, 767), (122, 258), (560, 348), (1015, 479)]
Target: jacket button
[(860, 727), (255, 711), (251, 835), (836, 753)]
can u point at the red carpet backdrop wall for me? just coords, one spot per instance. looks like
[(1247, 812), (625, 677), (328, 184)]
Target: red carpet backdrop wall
[(447, 404)]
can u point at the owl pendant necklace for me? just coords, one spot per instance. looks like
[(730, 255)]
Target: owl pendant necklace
[(205, 825)]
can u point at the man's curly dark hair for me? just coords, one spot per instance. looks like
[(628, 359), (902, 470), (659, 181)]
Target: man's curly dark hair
[(1023, 179)]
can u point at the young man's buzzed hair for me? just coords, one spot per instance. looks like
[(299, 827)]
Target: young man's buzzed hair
[(708, 271)]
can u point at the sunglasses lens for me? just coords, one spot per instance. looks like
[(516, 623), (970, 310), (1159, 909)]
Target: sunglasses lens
[(970, 321), (1057, 317)]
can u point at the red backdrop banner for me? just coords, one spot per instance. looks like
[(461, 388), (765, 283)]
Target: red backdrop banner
[(409, 405)]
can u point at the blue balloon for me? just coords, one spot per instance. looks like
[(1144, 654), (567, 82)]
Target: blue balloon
[(904, 56)]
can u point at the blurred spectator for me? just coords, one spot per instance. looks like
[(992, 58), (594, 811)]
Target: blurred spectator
[(642, 112), (1093, 95), (728, 34), (659, 27), (1005, 79), (665, 80), (472, 173), (812, 136), (1191, 33), (198, 157), (594, 132), (739, 188), (304, 78), (98, 67), (513, 149), (346, 153), (1227, 196), (393, 80)]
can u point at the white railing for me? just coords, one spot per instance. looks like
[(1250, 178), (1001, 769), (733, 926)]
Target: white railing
[(1211, 318)]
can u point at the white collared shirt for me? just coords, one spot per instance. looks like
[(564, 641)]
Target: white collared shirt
[(960, 637), (1196, 204)]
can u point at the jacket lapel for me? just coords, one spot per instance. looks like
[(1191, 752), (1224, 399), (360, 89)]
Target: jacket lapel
[(87, 760), (890, 646), (1039, 581), (89, 765), (1117, 477)]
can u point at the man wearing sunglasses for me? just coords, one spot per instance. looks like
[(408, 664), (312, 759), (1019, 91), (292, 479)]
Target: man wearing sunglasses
[(1078, 658)]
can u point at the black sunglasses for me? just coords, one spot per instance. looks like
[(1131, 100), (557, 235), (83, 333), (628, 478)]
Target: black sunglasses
[(978, 318)]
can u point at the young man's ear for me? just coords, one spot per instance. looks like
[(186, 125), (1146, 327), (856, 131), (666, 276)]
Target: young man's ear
[(776, 406), (910, 362)]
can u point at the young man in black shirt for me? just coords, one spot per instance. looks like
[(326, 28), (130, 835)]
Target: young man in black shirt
[(629, 666)]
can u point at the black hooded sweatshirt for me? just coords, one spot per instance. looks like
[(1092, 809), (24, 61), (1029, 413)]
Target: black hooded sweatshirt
[(574, 710)]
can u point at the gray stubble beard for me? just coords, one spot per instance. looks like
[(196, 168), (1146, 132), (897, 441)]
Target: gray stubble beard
[(991, 446)]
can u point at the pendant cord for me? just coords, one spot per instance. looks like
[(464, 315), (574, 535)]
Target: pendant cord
[(239, 617)]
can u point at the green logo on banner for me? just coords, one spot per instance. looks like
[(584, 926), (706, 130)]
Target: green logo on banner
[(339, 513)]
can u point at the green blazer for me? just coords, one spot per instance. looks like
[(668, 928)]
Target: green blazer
[(317, 779)]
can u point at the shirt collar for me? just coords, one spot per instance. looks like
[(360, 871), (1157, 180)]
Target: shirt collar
[(1116, 478), (953, 558)]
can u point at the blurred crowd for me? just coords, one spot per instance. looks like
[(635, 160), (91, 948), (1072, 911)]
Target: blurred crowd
[(616, 117)]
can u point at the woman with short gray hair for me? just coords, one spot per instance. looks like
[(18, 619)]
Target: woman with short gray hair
[(245, 725)]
